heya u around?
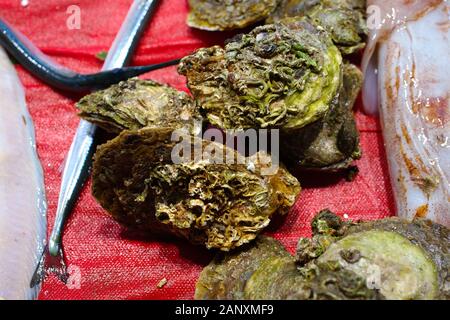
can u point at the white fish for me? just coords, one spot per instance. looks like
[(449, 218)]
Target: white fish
[(407, 73), (22, 197)]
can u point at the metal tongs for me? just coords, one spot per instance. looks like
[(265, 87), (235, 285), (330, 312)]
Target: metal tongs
[(79, 158)]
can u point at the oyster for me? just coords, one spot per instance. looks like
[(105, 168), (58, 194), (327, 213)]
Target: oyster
[(201, 198), (331, 143), (216, 15), (135, 104), (226, 276), (266, 271), (276, 76), (403, 259), (343, 19), (385, 259)]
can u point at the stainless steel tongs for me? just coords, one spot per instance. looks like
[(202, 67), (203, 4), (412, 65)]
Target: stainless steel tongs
[(79, 158)]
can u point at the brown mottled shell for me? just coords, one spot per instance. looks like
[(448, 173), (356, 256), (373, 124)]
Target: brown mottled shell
[(331, 143), (343, 19), (265, 270), (227, 275), (276, 76), (135, 104), (218, 205)]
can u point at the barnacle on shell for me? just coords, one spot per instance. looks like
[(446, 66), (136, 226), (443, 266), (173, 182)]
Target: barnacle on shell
[(205, 197)]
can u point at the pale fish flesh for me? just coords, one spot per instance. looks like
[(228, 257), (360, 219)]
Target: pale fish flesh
[(407, 73), (22, 197)]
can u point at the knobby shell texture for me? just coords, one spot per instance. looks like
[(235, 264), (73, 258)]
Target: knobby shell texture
[(135, 104), (223, 15), (405, 260), (397, 267), (276, 76), (390, 258), (218, 205), (331, 143), (225, 277), (266, 270), (105, 266), (432, 237), (343, 19)]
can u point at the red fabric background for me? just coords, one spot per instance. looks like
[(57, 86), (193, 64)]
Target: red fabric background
[(113, 264)]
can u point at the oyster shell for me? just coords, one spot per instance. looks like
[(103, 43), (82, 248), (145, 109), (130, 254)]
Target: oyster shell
[(331, 143), (205, 198), (213, 15), (276, 76), (345, 20), (135, 104), (386, 259)]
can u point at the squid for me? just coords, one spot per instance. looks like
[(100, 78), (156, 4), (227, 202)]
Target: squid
[(406, 82)]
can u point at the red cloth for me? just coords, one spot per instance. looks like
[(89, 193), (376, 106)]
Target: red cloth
[(114, 265)]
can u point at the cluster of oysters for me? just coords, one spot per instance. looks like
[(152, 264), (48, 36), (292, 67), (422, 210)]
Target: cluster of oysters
[(292, 75)]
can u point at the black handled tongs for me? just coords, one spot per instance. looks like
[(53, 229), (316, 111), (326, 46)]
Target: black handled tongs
[(44, 68)]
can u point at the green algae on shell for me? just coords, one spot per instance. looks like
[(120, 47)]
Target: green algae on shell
[(331, 143), (213, 15), (135, 104), (396, 267), (206, 201), (389, 258), (430, 238), (265, 270), (226, 276), (276, 76)]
